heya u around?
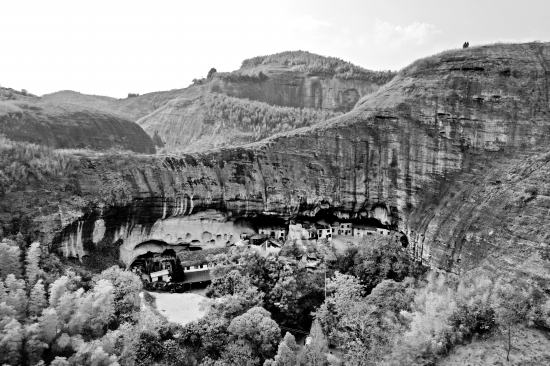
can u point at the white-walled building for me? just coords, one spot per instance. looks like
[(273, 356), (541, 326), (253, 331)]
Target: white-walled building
[(363, 230), (160, 276), (345, 229), (382, 231), (273, 233), (324, 233)]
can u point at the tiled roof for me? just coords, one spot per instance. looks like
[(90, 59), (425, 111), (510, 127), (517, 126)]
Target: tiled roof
[(198, 276), (199, 256)]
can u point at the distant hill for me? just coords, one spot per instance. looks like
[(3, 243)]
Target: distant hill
[(131, 108), (267, 95), (68, 126)]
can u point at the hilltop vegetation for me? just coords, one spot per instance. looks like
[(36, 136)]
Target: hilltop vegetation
[(22, 163), (214, 120), (313, 63), (261, 119)]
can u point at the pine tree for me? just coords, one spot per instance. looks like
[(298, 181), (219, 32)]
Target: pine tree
[(16, 296), (103, 307), (11, 343), (32, 270), (286, 353), (11, 259), (57, 289), (3, 292), (37, 299), (315, 353), (49, 325), (60, 361), (34, 346)]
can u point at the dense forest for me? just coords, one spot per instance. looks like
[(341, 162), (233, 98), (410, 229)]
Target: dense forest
[(260, 119), (368, 305), (317, 64)]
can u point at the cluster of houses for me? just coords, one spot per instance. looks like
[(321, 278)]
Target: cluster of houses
[(320, 231), (191, 267)]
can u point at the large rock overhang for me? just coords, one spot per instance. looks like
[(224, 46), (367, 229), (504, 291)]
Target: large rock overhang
[(412, 149)]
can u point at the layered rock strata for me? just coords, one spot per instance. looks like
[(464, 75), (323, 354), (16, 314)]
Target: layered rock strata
[(454, 153)]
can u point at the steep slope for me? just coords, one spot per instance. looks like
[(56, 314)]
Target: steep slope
[(203, 120), (66, 126), (453, 153), (131, 108)]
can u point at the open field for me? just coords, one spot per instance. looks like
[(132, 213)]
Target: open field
[(179, 308)]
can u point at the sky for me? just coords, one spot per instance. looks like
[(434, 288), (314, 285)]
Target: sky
[(117, 47)]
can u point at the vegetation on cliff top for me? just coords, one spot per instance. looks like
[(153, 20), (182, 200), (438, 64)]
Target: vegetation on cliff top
[(260, 119), (22, 163), (313, 63)]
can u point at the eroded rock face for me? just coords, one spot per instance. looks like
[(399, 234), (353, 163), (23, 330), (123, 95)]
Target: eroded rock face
[(446, 154), (286, 87)]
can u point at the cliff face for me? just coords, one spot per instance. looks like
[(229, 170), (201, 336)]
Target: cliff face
[(291, 87), (66, 126), (453, 153)]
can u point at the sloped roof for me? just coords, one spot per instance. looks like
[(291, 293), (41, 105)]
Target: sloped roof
[(364, 227), (198, 276), (199, 256)]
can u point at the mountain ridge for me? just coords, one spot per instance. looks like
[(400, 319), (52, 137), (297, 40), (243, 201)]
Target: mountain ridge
[(453, 156)]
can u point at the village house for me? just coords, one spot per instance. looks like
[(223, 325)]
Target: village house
[(160, 276), (345, 229), (147, 265), (273, 233), (324, 233), (360, 231), (257, 239), (382, 231), (267, 247), (195, 266)]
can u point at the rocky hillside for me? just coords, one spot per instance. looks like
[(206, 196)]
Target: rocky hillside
[(302, 80), (453, 153), (187, 120), (67, 126), (203, 120)]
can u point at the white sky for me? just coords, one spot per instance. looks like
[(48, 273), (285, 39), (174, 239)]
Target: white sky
[(114, 47)]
